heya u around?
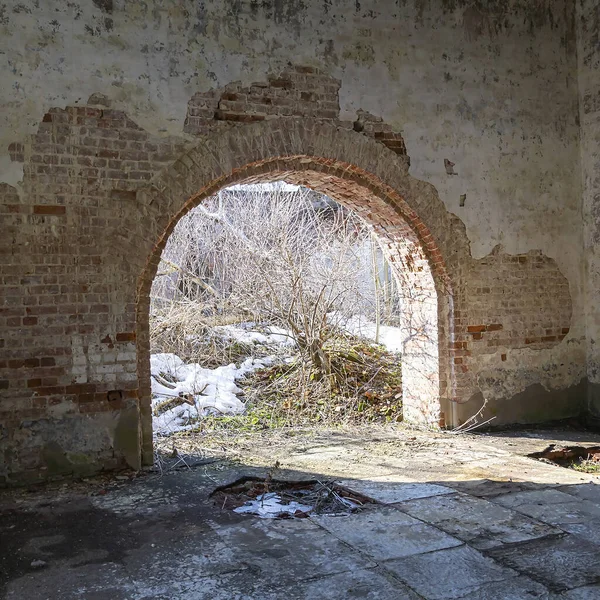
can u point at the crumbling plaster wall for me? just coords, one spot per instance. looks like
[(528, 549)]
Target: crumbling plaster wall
[(486, 99), (588, 25), (490, 89)]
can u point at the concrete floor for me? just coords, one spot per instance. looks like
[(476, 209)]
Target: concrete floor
[(458, 517)]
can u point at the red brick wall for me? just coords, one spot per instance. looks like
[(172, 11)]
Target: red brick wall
[(299, 91), (82, 238), (68, 324)]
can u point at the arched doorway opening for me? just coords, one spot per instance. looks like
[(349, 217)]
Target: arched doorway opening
[(427, 372), (279, 273)]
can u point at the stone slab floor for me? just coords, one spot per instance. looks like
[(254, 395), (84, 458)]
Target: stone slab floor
[(457, 517)]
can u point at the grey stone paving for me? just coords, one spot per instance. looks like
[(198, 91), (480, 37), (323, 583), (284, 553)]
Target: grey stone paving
[(561, 563), (467, 535), (552, 506), (591, 592), (376, 584), (518, 588), (287, 551), (482, 523), (385, 533), (584, 491), (449, 573), (381, 490)]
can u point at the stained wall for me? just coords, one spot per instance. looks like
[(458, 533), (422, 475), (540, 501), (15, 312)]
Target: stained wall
[(470, 113)]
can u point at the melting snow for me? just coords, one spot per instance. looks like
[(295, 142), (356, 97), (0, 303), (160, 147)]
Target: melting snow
[(209, 390), (243, 333), (269, 506), (390, 337)]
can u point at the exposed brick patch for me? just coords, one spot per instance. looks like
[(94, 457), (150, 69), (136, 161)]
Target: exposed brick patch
[(82, 238), (375, 128), (524, 299), (296, 92), (299, 91), (61, 233), (16, 152)]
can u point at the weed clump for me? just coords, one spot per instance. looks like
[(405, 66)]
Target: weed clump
[(364, 385)]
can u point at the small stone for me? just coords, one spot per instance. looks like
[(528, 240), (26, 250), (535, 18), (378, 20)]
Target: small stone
[(38, 564)]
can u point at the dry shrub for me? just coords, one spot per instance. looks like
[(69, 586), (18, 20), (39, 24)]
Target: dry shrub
[(296, 260), (182, 328), (365, 386)]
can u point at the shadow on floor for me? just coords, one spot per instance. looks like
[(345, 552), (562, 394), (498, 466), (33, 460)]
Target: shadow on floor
[(163, 537)]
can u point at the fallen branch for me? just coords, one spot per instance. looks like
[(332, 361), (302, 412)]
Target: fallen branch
[(471, 423)]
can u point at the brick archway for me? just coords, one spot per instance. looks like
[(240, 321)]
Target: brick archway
[(98, 200), (361, 174)]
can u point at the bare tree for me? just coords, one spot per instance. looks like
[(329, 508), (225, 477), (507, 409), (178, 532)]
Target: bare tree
[(292, 259)]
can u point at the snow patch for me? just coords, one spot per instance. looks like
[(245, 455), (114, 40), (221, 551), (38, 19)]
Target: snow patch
[(208, 391), (244, 334), (270, 506), (390, 337)]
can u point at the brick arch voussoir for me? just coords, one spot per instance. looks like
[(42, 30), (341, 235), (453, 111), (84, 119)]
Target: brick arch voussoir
[(307, 151), (269, 146)]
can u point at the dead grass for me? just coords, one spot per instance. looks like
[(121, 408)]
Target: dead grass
[(365, 387), (260, 446), (188, 330)]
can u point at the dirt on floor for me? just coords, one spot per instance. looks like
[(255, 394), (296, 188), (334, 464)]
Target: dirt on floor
[(518, 527), (276, 444)]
